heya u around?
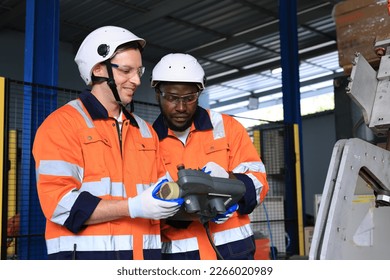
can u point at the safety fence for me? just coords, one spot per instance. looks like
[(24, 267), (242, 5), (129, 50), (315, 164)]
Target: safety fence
[(22, 222), (268, 220)]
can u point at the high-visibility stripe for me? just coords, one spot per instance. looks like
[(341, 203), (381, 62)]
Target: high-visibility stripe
[(231, 235), (98, 188), (99, 243), (77, 104), (258, 186), (140, 188), (217, 122), (152, 241), (220, 238), (104, 187), (62, 211), (254, 166), (180, 246), (143, 127), (60, 168)]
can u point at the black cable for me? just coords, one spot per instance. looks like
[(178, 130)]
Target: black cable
[(206, 226)]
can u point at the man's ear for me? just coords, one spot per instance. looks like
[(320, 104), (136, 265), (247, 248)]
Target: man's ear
[(98, 70)]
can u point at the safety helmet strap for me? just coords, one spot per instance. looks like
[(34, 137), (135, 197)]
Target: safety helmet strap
[(111, 83)]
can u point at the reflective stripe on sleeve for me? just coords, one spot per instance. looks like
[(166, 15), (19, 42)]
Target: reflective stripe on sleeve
[(258, 186), (99, 188), (62, 211), (254, 166), (60, 168), (104, 187)]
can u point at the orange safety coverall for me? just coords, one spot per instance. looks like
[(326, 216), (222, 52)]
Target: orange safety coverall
[(218, 138), (82, 158)]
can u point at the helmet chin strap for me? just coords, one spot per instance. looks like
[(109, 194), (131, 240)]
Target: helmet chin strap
[(111, 83)]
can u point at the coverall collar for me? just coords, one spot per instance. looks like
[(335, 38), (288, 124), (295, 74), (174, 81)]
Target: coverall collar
[(96, 110), (201, 122)]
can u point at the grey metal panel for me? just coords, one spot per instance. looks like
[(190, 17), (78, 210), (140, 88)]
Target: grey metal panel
[(349, 226)]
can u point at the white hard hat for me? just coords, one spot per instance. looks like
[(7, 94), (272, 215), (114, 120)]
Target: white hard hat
[(101, 45), (178, 67)]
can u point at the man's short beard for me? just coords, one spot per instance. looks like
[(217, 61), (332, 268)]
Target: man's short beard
[(179, 128), (175, 127)]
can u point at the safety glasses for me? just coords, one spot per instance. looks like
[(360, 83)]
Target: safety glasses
[(129, 71), (187, 99)]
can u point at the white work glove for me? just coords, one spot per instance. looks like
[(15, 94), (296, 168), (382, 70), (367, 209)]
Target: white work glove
[(147, 205), (215, 170), (221, 218)]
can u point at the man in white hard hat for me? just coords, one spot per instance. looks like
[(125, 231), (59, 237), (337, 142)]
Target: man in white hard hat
[(215, 143), (98, 165)]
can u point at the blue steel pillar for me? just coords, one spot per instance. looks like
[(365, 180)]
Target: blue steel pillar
[(292, 118), (40, 67)]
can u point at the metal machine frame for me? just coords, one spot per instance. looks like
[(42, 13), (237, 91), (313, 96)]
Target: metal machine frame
[(353, 221)]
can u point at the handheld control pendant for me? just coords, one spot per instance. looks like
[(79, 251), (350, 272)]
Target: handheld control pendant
[(204, 196)]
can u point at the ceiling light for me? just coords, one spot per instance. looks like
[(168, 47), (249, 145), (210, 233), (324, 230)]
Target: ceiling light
[(253, 103)]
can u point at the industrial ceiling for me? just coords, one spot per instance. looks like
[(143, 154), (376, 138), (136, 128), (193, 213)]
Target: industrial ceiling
[(236, 41)]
